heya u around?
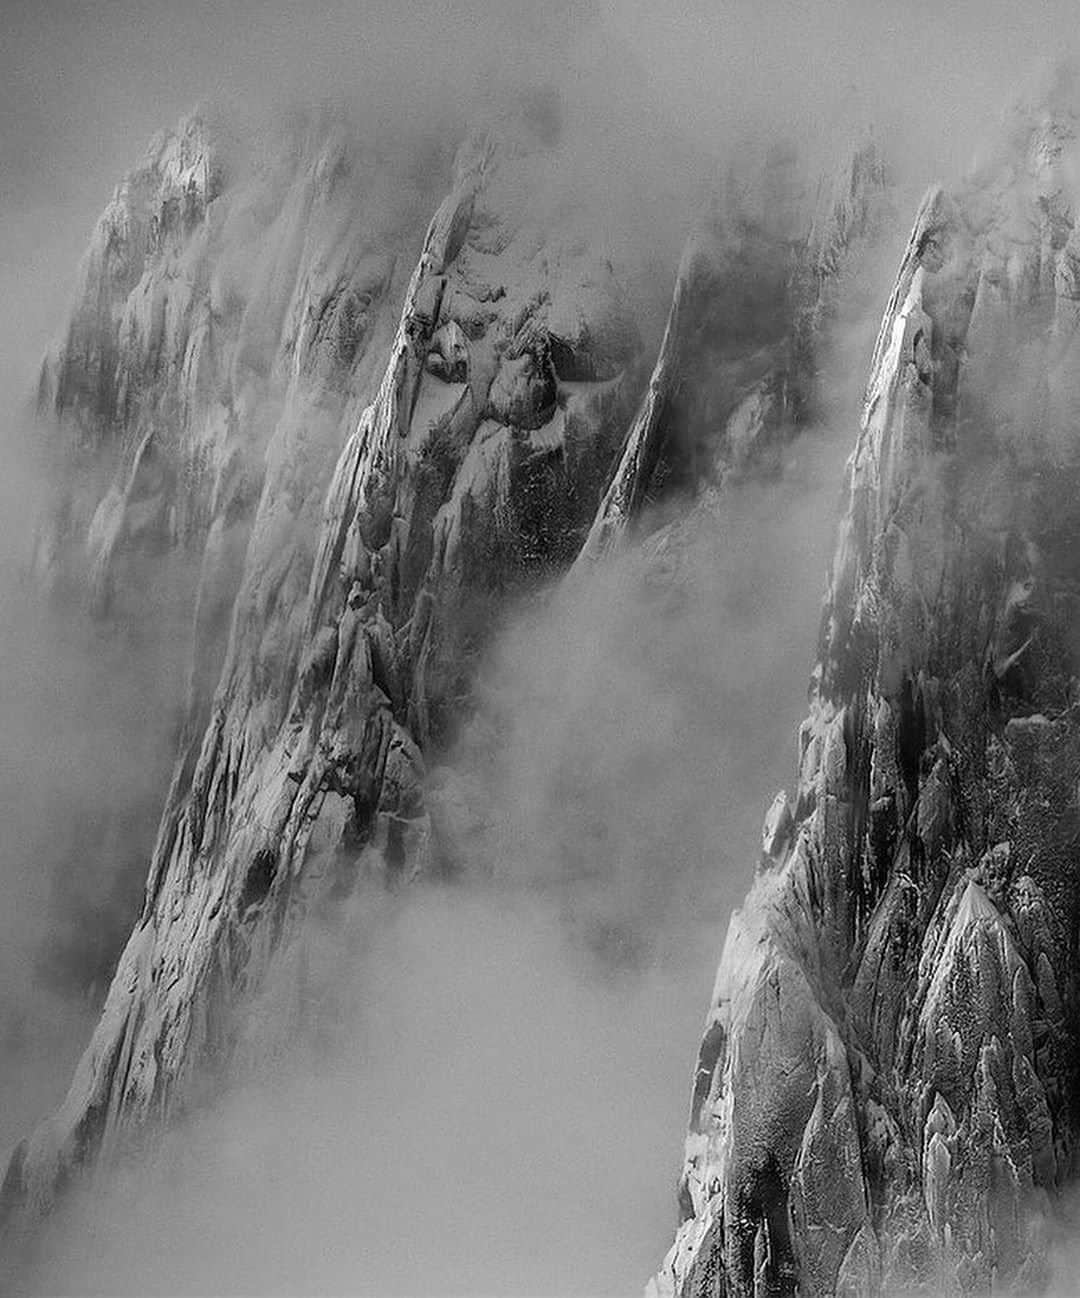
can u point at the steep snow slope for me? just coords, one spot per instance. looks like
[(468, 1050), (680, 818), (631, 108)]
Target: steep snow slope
[(884, 1099)]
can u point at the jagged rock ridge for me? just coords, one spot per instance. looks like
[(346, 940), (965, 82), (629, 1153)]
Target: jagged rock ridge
[(230, 290), (469, 470), (885, 1095), (368, 467)]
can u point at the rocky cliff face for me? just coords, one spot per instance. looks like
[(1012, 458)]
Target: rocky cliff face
[(472, 407), (885, 1095), (231, 291), (371, 438)]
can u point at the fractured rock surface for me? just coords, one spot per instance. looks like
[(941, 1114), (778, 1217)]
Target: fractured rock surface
[(480, 426), (885, 1096), (371, 438)]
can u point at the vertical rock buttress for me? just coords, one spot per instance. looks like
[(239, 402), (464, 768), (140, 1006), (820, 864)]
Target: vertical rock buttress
[(885, 1094)]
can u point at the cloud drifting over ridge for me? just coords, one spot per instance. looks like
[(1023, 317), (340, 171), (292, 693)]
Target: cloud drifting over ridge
[(501, 1125), (490, 1096)]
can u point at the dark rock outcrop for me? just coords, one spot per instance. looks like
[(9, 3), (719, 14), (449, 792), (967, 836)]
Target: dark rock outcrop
[(755, 296)]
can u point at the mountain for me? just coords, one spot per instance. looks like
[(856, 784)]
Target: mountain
[(368, 440), (885, 1095)]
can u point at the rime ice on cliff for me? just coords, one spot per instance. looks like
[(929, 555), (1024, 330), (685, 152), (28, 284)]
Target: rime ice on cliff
[(885, 1096), (368, 437)]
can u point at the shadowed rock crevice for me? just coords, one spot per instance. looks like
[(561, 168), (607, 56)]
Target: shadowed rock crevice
[(737, 374)]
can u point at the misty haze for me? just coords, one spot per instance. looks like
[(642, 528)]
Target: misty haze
[(540, 648)]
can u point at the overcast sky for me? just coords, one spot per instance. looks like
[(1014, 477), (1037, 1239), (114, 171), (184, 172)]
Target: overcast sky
[(84, 83)]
